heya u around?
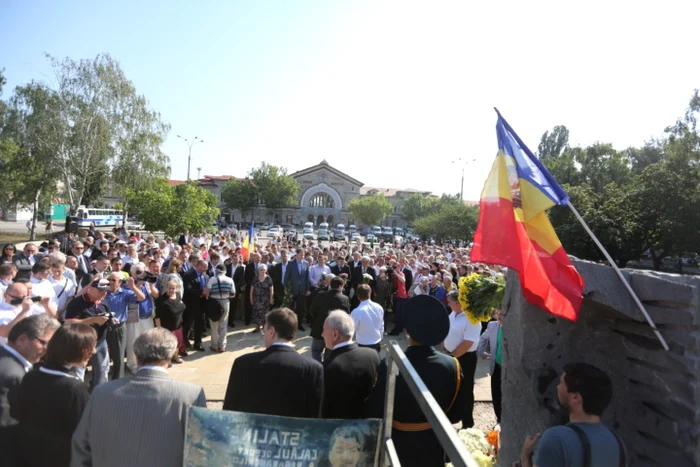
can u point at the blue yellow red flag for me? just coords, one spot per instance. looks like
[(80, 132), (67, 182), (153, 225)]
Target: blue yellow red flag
[(514, 230), (249, 243)]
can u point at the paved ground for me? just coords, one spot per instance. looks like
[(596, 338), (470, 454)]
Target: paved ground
[(211, 370)]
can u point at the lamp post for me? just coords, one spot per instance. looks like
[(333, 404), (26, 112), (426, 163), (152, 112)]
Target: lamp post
[(189, 156), (463, 163)]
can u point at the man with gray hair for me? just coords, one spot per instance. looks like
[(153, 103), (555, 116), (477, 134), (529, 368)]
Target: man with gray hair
[(25, 346), (349, 371), (148, 411)]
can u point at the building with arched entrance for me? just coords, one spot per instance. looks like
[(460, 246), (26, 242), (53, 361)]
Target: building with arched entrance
[(324, 195)]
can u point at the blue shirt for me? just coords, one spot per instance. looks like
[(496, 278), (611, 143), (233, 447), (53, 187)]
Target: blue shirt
[(560, 446), (145, 306), (119, 302)]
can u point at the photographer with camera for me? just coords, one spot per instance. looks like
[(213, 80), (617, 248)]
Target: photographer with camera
[(92, 309), (16, 305), (140, 317), (119, 298)]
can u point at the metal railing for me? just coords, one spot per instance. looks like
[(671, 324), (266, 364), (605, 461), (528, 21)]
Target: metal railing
[(443, 429)]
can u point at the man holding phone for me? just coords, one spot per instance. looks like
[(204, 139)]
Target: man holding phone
[(16, 306)]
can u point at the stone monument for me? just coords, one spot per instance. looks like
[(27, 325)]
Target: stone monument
[(656, 394)]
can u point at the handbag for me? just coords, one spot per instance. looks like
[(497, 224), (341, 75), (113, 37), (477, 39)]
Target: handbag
[(214, 309)]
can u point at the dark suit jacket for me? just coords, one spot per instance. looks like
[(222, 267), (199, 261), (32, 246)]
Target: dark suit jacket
[(349, 374), (11, 375), (80, 272), (237, 277), (249, 273), (408, 275), (357, 276), (24, 267), (276, 381), (439, 373), (192, 285), (278, 280), (299, 283), (324, 303), (182, 240), (337, 270)]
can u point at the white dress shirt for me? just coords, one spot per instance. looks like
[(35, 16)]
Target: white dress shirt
[(42, 288), (369, 323), (315, 273), (342, 344), (461, 329)]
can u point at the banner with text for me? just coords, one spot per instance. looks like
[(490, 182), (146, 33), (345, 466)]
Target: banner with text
[(223, 438)]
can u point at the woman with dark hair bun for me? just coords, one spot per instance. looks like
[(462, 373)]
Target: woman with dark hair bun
[(52, 398)]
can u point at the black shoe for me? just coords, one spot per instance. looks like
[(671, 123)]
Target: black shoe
[(302, 328), (198, 347)]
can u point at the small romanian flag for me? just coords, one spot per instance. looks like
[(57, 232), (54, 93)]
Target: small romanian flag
[(514, 230), (249, 243)]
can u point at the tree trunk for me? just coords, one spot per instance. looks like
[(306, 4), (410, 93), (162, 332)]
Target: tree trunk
[(35, 210)]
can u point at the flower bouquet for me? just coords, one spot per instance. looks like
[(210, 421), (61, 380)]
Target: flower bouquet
[(479, 295), (287, 300), (366, 278), (483, 452)]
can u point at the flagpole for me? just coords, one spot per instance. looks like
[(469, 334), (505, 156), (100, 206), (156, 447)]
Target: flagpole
[(620, 275)]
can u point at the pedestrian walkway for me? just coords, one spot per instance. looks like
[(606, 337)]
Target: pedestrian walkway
[(211, 370)]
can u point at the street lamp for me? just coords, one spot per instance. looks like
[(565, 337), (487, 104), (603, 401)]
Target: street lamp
[(463, 163), (189, 157)]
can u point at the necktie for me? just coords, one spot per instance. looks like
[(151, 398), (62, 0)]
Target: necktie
[(299, 265), (201, 280)]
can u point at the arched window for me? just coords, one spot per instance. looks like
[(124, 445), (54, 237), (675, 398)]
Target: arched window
[(321, 200)]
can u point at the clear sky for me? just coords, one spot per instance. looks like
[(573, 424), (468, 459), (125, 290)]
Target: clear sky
[(389, 92)]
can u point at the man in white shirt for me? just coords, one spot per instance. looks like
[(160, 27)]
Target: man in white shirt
[(369, 320), (7, 274), (41, 286), (131, 256), (12, 313), (462, 343), (316, 272), (63, 287)]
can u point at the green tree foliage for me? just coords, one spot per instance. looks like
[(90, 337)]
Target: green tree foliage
[(174, 209), (555, 143), (450, 222), (240, 194), (274, 187), (370, 210)]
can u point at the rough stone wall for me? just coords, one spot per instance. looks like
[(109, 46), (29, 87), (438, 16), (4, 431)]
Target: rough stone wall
[(656, 394)]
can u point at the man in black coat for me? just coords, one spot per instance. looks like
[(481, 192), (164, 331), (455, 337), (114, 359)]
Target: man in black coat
[(276, 381), (25, 259), (194, 282), (251, 272), (277, 273), (83, 268), (357, 278), (349, 371), (324, 303), (341, 267), (235, 269), (427, 325), (25, 347), (184, 238)]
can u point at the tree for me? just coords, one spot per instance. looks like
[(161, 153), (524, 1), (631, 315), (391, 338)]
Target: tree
[(370, 210), (452, 222), (28, 175), (240, 194), (415, 207), (274, 187), (174, 209), (555, 143), (601, 165)]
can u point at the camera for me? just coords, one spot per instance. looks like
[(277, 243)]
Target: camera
[(110, 316), (148, 277), (18, 301)]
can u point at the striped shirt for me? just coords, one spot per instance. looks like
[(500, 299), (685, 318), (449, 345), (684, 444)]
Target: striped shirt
[(221, 287)]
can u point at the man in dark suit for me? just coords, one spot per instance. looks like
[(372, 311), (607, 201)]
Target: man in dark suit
[(251, 272), (277, 273), (102, 251), (138, 421), (297, 279), (324, 303), (427, 325), (26, 344), (276, 381), (194, 283), (25, 259), (349, 371), (83, 268), (235, 269), (184, 238), (341, 267), (407, 273), (357, 278)]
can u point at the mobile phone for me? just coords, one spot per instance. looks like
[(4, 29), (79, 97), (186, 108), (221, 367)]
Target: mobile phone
[(36, 299)]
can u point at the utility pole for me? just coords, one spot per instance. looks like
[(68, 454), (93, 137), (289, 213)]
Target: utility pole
[(463, 163), (189, 156), (199, 173)]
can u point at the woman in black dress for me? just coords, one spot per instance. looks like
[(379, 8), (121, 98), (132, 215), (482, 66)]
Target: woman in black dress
[(52, 398), (169, 310)]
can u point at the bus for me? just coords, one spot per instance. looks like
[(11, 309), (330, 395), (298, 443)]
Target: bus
[(97, 217)]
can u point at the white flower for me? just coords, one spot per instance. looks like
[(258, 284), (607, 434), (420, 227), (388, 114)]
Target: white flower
[(367, 278)]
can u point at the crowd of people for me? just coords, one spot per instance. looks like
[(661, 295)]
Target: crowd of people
[(125, 303)]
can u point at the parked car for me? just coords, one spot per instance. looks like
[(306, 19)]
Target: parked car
[(370, 237), (339, 234), (308, 233), (365, 231), (387, 234), (274, 231), (352, 228), (377, 231), (355, 237)]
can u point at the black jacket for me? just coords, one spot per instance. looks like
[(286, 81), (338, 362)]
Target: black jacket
[(357, 276), (439, 373), (278, 280), (237, 277), (23, 265), (349, 374), (11, 375), (192, 285), (49, 409), (276, 381), (408, 275), (249, 273), (324, 303)]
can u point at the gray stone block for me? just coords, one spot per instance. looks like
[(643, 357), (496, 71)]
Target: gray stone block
[(656, 393)]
